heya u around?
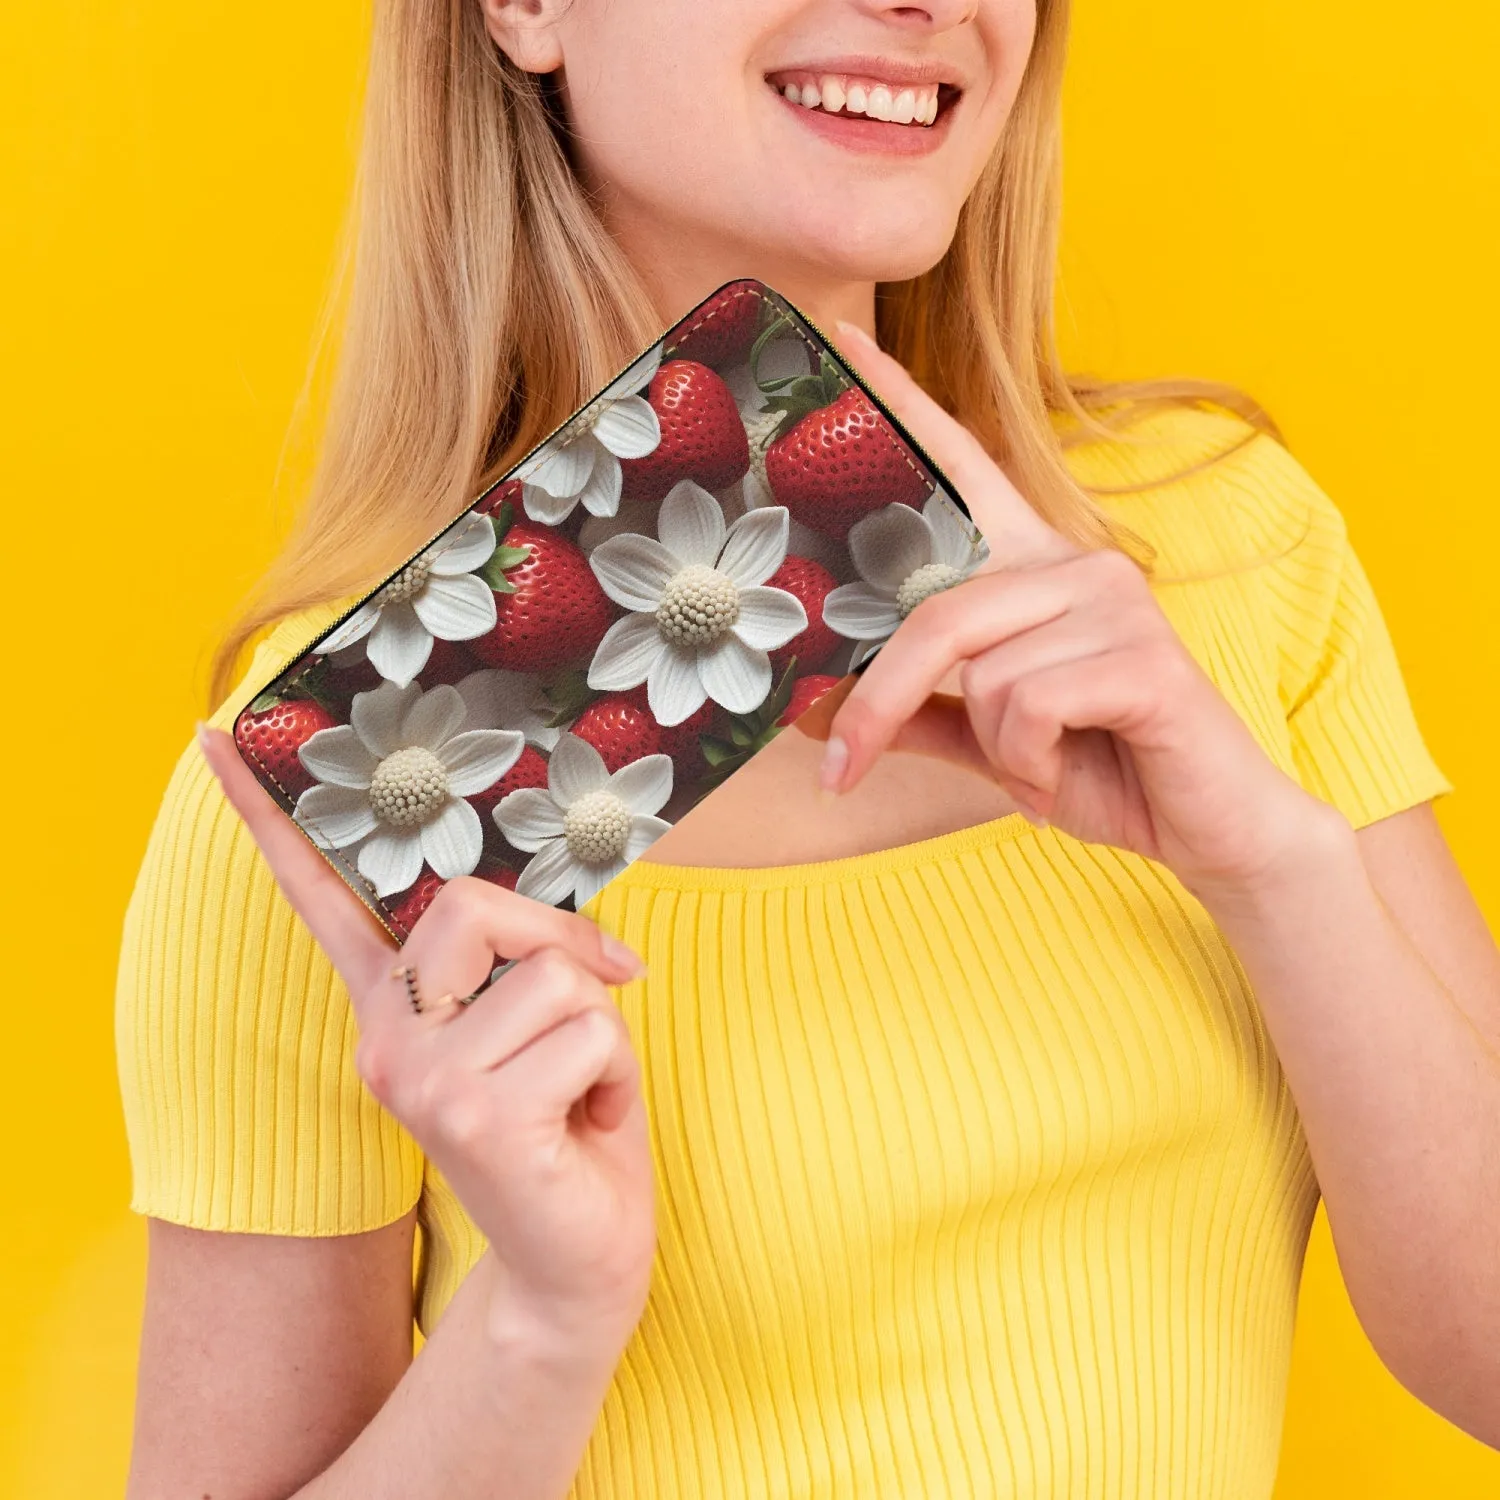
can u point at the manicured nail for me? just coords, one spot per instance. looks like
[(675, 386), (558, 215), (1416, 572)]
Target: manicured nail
[(201, 730), (835, 764), (855, 334), (622, 957)]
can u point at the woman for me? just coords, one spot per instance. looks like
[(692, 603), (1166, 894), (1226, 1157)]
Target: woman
[(987, 1089)]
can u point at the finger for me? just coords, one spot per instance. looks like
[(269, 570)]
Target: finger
[(1105, 692), (1016, 533), (340, 923), (541, 992), (588, 1056), (941, 632), (472, 922)]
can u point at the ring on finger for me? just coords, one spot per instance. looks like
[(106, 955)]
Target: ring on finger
[(408, 976)]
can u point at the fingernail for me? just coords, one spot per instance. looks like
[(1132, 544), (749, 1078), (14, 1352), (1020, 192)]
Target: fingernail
[(835, 763), (621, 956), (855, 334), (201, 730)]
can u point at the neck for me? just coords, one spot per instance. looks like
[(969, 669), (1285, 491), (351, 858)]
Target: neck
[(680, 267)]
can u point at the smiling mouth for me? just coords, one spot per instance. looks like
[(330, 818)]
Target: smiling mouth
[(916, 106)]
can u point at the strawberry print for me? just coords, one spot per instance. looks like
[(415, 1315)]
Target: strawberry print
[(274, 733), (414, 903), (805, 692), (722, 330), (620, 727), (842, 462), (811, 583), (645, 601), (702, 436), (550, 610)]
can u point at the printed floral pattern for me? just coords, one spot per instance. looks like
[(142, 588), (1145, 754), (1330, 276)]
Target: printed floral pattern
[(657, 606)]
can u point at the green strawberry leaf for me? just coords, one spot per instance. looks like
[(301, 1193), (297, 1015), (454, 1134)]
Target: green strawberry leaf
[(502, 519), (501, 560), (778, 324), (741, 733), (262, 701), (568, 697), (716, 752)]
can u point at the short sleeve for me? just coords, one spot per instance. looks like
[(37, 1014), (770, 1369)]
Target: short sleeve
[(235, 1039), (1354, 736)]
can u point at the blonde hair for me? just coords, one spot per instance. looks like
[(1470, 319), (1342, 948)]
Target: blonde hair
[(484, 301)]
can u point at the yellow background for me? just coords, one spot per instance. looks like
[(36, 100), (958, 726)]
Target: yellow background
[(1297, 197)]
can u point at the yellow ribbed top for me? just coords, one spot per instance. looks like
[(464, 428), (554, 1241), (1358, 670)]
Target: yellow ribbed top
[(977, 1172)]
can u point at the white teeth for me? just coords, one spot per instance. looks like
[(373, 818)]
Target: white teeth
[(910, 106)]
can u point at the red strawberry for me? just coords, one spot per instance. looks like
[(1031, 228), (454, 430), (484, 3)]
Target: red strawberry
[(508, 493), (702, 436), (529, 770), (552, 610), (450, 662), (619, 728), (722, 329), (419, 895), (805, 692), (811, 583), (272, 736), (680, 741), (841, 462)]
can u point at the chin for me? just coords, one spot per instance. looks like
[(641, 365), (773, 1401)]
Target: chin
[(871, 246)]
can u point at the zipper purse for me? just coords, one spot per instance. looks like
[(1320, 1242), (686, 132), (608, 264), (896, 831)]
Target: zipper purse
[(616, 625)]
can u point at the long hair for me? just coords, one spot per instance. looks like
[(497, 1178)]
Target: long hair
[(482, 301)]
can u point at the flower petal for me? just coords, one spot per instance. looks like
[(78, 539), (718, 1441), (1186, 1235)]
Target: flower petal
[(644, 832), (626, 654), (479, 758), (769, 617), (889, 545), (453, 841), (673, 690), (633, 515), (563, 470), (574, 770), (355, 628), (645, 784), (498, 699), (456, 609), (955, 539), (392, 859), (433, 717), (628, 428), (529, 817), (755, 546), (549, 874), (633, 570), (589, 880), (549, 510), (640, 373), (691, 524), (601, 495), (399, 645), (469, 546), (336, 816), (377, 716), (860, 612), (736, 675), (338, 757)]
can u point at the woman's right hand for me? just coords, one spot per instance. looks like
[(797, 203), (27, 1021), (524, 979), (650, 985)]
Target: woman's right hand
[(528, 1100)]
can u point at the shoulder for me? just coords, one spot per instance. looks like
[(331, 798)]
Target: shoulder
[(1210, 492)]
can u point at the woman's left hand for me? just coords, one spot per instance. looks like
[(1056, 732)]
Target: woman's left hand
[(1074, 691)]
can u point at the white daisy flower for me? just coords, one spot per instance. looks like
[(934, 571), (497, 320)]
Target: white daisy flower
[(392, 783), (903, 556), (436, 594), (496, 699), (701, 621), (587, 825), (582, 462)]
